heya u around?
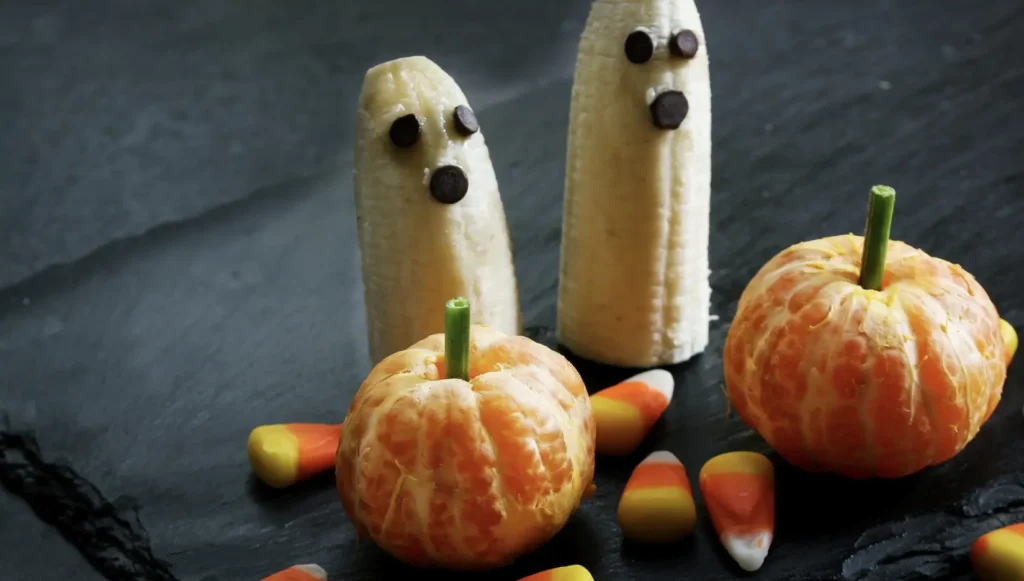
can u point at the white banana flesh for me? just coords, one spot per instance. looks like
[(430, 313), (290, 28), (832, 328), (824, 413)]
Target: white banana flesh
[(431, 224), (634, 283)]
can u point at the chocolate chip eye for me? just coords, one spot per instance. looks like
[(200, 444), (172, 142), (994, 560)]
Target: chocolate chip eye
[(639, 47), (684, 44), (465, 121), (405, 131)]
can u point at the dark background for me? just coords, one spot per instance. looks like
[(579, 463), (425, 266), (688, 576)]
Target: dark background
[(179, 263)]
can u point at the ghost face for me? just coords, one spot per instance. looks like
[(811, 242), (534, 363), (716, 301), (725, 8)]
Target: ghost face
[(448, 183), (662, 53)]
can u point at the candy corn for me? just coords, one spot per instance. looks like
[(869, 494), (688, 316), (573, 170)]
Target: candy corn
[(570, 573), (739, 491), (1009, 339), (999, 555), (299, 573), (657, 504), (283, 454), (625, 412)]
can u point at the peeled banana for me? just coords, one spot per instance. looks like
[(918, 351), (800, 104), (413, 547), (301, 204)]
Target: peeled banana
[(430, 220), (634, 288)]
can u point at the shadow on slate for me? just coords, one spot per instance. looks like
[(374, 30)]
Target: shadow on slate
[(284, 500), (109, 535), (574, 544)]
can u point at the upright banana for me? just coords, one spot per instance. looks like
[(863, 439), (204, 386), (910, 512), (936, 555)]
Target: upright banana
[(634, 287), (431, 224)]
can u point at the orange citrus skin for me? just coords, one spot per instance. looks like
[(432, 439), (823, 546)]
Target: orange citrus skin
[(857, 382), (467, 475)]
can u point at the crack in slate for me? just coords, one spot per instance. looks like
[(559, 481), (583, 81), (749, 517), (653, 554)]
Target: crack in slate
[(936, 545), (109, 536)]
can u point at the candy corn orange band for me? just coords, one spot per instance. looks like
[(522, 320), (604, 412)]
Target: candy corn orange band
[(318, 444), (999, 555), (658, 474), (570, 573), (737, 495), (739, 488), (299, 573), (650, 402)]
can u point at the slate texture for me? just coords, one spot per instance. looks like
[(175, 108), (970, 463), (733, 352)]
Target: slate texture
[(179, 263)]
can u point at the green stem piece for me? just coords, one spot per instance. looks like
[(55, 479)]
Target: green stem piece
[(456, 338), (876, 236)]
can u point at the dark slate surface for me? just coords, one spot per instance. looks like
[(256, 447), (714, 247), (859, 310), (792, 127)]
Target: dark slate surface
[(179, 263)]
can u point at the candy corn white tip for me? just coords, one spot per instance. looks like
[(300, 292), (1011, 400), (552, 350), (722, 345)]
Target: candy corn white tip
[(659, 380), (314, 570), (749, 550), (661, 457)]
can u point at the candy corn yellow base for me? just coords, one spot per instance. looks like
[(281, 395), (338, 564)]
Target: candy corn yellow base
[(620, 426), (274, 455), (570, 573), (657, 515), (1009, 339), (999, 555)]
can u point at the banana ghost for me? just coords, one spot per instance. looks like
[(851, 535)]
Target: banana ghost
[(431, 223), (634, 288)]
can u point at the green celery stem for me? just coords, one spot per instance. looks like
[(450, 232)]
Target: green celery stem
[(876, 236), (456, 338)]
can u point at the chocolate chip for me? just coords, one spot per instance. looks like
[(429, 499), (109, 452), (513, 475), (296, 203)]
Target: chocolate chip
[(465, 121), (669, 109), (449, 184), (405, 131), (639, 47), (684, 44)]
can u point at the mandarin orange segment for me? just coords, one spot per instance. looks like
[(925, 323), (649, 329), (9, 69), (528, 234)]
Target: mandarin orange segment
[(859, 382), (467, 474)]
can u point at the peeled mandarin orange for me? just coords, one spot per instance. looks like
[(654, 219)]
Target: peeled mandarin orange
[(864, 383), (467, 474)]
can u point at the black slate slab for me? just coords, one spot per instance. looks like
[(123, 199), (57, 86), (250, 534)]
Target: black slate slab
[(121, 115), (202, 290), (50, 557)]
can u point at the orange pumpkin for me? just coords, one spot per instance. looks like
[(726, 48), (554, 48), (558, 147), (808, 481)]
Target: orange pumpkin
[(467, 474), (859, 382)]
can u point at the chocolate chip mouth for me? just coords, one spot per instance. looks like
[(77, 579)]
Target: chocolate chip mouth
[(669, 109), (449, 184)]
